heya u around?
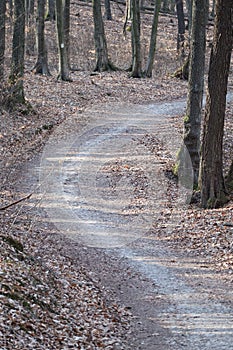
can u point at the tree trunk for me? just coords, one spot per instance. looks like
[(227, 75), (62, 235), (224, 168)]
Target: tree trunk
[(213, 190), (213, 9), (67, 29), (102, 61), (41, 66), (108, 12), (229, 180), (62, 44), (2, 37), (181, 26), (16, 89), (51, 10), (183, 71), (192, 122), (165, 6), (189, 6), (136, 45), (30, 20), (150, 61)]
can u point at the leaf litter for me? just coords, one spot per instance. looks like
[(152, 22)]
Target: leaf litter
[(46, 301)]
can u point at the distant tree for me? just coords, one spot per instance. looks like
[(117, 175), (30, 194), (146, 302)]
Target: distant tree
[(2, 36), (51, 10), (181, 26), (30, 23), (11, 8), (62, 41), (108, 12), (150, 61), (213, 9), (67, 29), (41, 66), (103, 62), (192, 120), (165, 6), (189, 6), (136, 45), (16, 88), (213, 189)]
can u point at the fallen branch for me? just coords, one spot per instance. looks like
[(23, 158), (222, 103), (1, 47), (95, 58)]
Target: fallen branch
[(16, 202)]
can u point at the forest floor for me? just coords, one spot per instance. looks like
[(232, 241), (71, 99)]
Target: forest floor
[(60, 294)]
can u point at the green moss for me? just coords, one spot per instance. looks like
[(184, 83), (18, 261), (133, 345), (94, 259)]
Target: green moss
[(186, 118), (175, 168)]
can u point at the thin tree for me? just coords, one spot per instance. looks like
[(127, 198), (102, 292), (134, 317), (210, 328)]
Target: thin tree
[(136, 45), (151, 56), (51, 10), (213, 189), (108, 12), (16, 88), (67, 29), (103, 62), (62, 43), (30, 23), (41, 66), (2, 37), (181, 26), (192, 120)]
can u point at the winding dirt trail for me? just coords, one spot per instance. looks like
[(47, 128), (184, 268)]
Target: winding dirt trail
[(103, 186)]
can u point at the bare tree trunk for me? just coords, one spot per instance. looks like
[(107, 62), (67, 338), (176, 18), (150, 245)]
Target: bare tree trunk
[(229, 180), (192, 122), (31, 31), (213, 190), (189, 6), (181, 26), (102, 60), (2, 37), (67, 29), (51, 10), (213, 9), (16, 89), (41, 66), (11, 7), (108, 12), (136, 45), (151, 56), (165, 6), (62, 44)]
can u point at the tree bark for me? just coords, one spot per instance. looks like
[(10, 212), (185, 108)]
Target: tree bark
[(30, 34), (51, 10), (229, 180), (213, 190), (181, 26), (62, 44), (41, 66), (213, 9), (2, 37), (67, 29), (189, 6), (16, 89), (151, 56), (108, 12), (136, 45), (102, 60), (192, 121)]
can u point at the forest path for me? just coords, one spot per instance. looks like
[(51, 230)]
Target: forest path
[(103, 184)]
